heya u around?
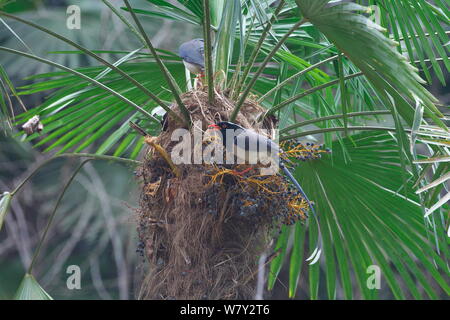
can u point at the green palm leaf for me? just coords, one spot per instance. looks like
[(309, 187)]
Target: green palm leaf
[(7, 90), (360, 228), (418, 25), (77, 115), (371, 206), (30, 289), (5, 202), (373, 54)]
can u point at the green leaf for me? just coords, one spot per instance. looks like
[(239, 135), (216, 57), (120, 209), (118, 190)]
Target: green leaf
[(168, 14), (314, 270), (173, 85), (208, 47), (277, 262), (443, 201), (5, 202), (372, 53), (30, 289), (15, 34), (296, 262), (419, 23), (364, 230), (344, 93), (225, 36), (78, 108)]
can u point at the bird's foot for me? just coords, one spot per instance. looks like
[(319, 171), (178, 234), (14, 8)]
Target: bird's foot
[(199, 81)]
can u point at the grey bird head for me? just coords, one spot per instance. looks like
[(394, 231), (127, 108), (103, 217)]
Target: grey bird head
[(193, 55)]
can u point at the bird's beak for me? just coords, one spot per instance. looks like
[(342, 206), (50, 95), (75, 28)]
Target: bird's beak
[(214, 126)]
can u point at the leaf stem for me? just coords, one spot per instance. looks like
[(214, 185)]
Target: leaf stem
[(298, 74), (100, 59), (241, 61), (74, 155), (208, 51), (174, 88), (343, 90), (125, 21), (336, 116), (306, 93), (306, 133), (257, 49), (52, 215), (83, 76), (261, 69)]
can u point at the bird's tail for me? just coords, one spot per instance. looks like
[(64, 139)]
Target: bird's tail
[(315, 255)]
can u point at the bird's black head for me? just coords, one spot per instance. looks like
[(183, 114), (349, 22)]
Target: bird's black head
[(224, 125)]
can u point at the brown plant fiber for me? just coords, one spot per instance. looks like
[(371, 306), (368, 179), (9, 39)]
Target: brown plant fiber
[(197, 249)]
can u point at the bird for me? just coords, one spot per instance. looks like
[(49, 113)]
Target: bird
[(193, 55), (254, 146), (249, 146)]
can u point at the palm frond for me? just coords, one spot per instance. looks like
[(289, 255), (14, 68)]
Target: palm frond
[(434, 167), (382, 202), (100, 59), (77, 115), (226, 35), (176, 91), (419, 27), (93, 37), (373, 54), (260, 70), (7, 90), (30, 289), (360, 228)]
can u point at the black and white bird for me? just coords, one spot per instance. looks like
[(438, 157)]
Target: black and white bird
[(246, 145), (193, 55), (252, 147)]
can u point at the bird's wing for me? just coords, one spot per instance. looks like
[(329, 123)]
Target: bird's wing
[(255, 145), (257, 142)]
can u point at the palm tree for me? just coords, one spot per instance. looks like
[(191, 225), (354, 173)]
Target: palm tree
[(329, 74)]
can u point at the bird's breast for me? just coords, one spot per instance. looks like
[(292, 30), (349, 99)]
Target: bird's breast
[(194, 68)]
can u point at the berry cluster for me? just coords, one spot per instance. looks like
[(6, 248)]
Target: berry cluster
[(140, 248), (211, 199), (261, 199), (247, 204), (303, 152)]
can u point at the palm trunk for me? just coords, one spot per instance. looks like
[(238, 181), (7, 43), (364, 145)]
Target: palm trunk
[(197, 245)]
